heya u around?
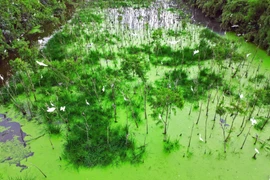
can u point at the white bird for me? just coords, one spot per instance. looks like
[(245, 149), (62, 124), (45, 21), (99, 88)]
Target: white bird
[(62, 108), (103, 88), (50, 109), (234, 26), (41, 76), (51, 103), (241, 96), (191, 88), (1, 77), (253, 121), (87, 102), (174, 42), (248, 55), (160, 117), (112, 85), (196, 52), (40, 41), (41, 63), (200, 137), (257, 151)]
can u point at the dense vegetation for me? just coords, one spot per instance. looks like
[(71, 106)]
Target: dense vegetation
[(21, 19), (248, 18), (98, 82)]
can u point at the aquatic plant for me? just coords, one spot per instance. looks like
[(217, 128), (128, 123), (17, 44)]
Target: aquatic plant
[(170, 146), (163, 102)]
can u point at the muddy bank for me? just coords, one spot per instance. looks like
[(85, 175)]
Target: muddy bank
[(198, 17), (247, 18)]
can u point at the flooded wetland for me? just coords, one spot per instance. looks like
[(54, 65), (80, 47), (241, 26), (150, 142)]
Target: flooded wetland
[(137, 91)]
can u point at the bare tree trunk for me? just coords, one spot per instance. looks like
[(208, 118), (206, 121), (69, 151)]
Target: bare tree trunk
[(114, 104), (108, 135), (191, 133), (205, 129), (145, 110), (218, 98), (268, 116), (190, 109), (230, 131), (246, 137), (207, 107), (32, 85), (253, 108), (199, 113)]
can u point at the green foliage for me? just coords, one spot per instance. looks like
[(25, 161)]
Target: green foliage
[(221, 110), (262, 96), (91, 142), (261, 123), (121, 3), (206, 80), (53, 128), (170, 146), (208, 34), (24, 177), (21, 18), (166, 96), (96, 94), (86, 16), (35, 29), (55, 48), (251, 16), (258, 78)]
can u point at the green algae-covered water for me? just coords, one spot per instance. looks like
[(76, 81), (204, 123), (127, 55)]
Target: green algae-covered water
[(206, 162), (205, 159)]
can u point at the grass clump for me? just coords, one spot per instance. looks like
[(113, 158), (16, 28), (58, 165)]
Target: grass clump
[(170, 146)]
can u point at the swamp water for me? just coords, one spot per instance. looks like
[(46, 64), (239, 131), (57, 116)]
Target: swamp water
[(205, 158)]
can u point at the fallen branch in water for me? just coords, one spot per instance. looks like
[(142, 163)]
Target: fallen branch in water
[(35, 138), (39, 170)]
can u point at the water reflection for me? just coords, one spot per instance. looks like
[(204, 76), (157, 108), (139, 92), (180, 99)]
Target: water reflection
[(156, 16)]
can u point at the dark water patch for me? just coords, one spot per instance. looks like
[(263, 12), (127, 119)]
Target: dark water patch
[(22, 166), (13, 129), (197, 16), (12, 139), (3, 116)]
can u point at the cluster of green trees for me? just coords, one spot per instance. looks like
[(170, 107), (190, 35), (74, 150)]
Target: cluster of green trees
[(249, 18)]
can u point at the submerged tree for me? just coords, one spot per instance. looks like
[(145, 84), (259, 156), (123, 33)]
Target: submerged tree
[(165, 100)]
